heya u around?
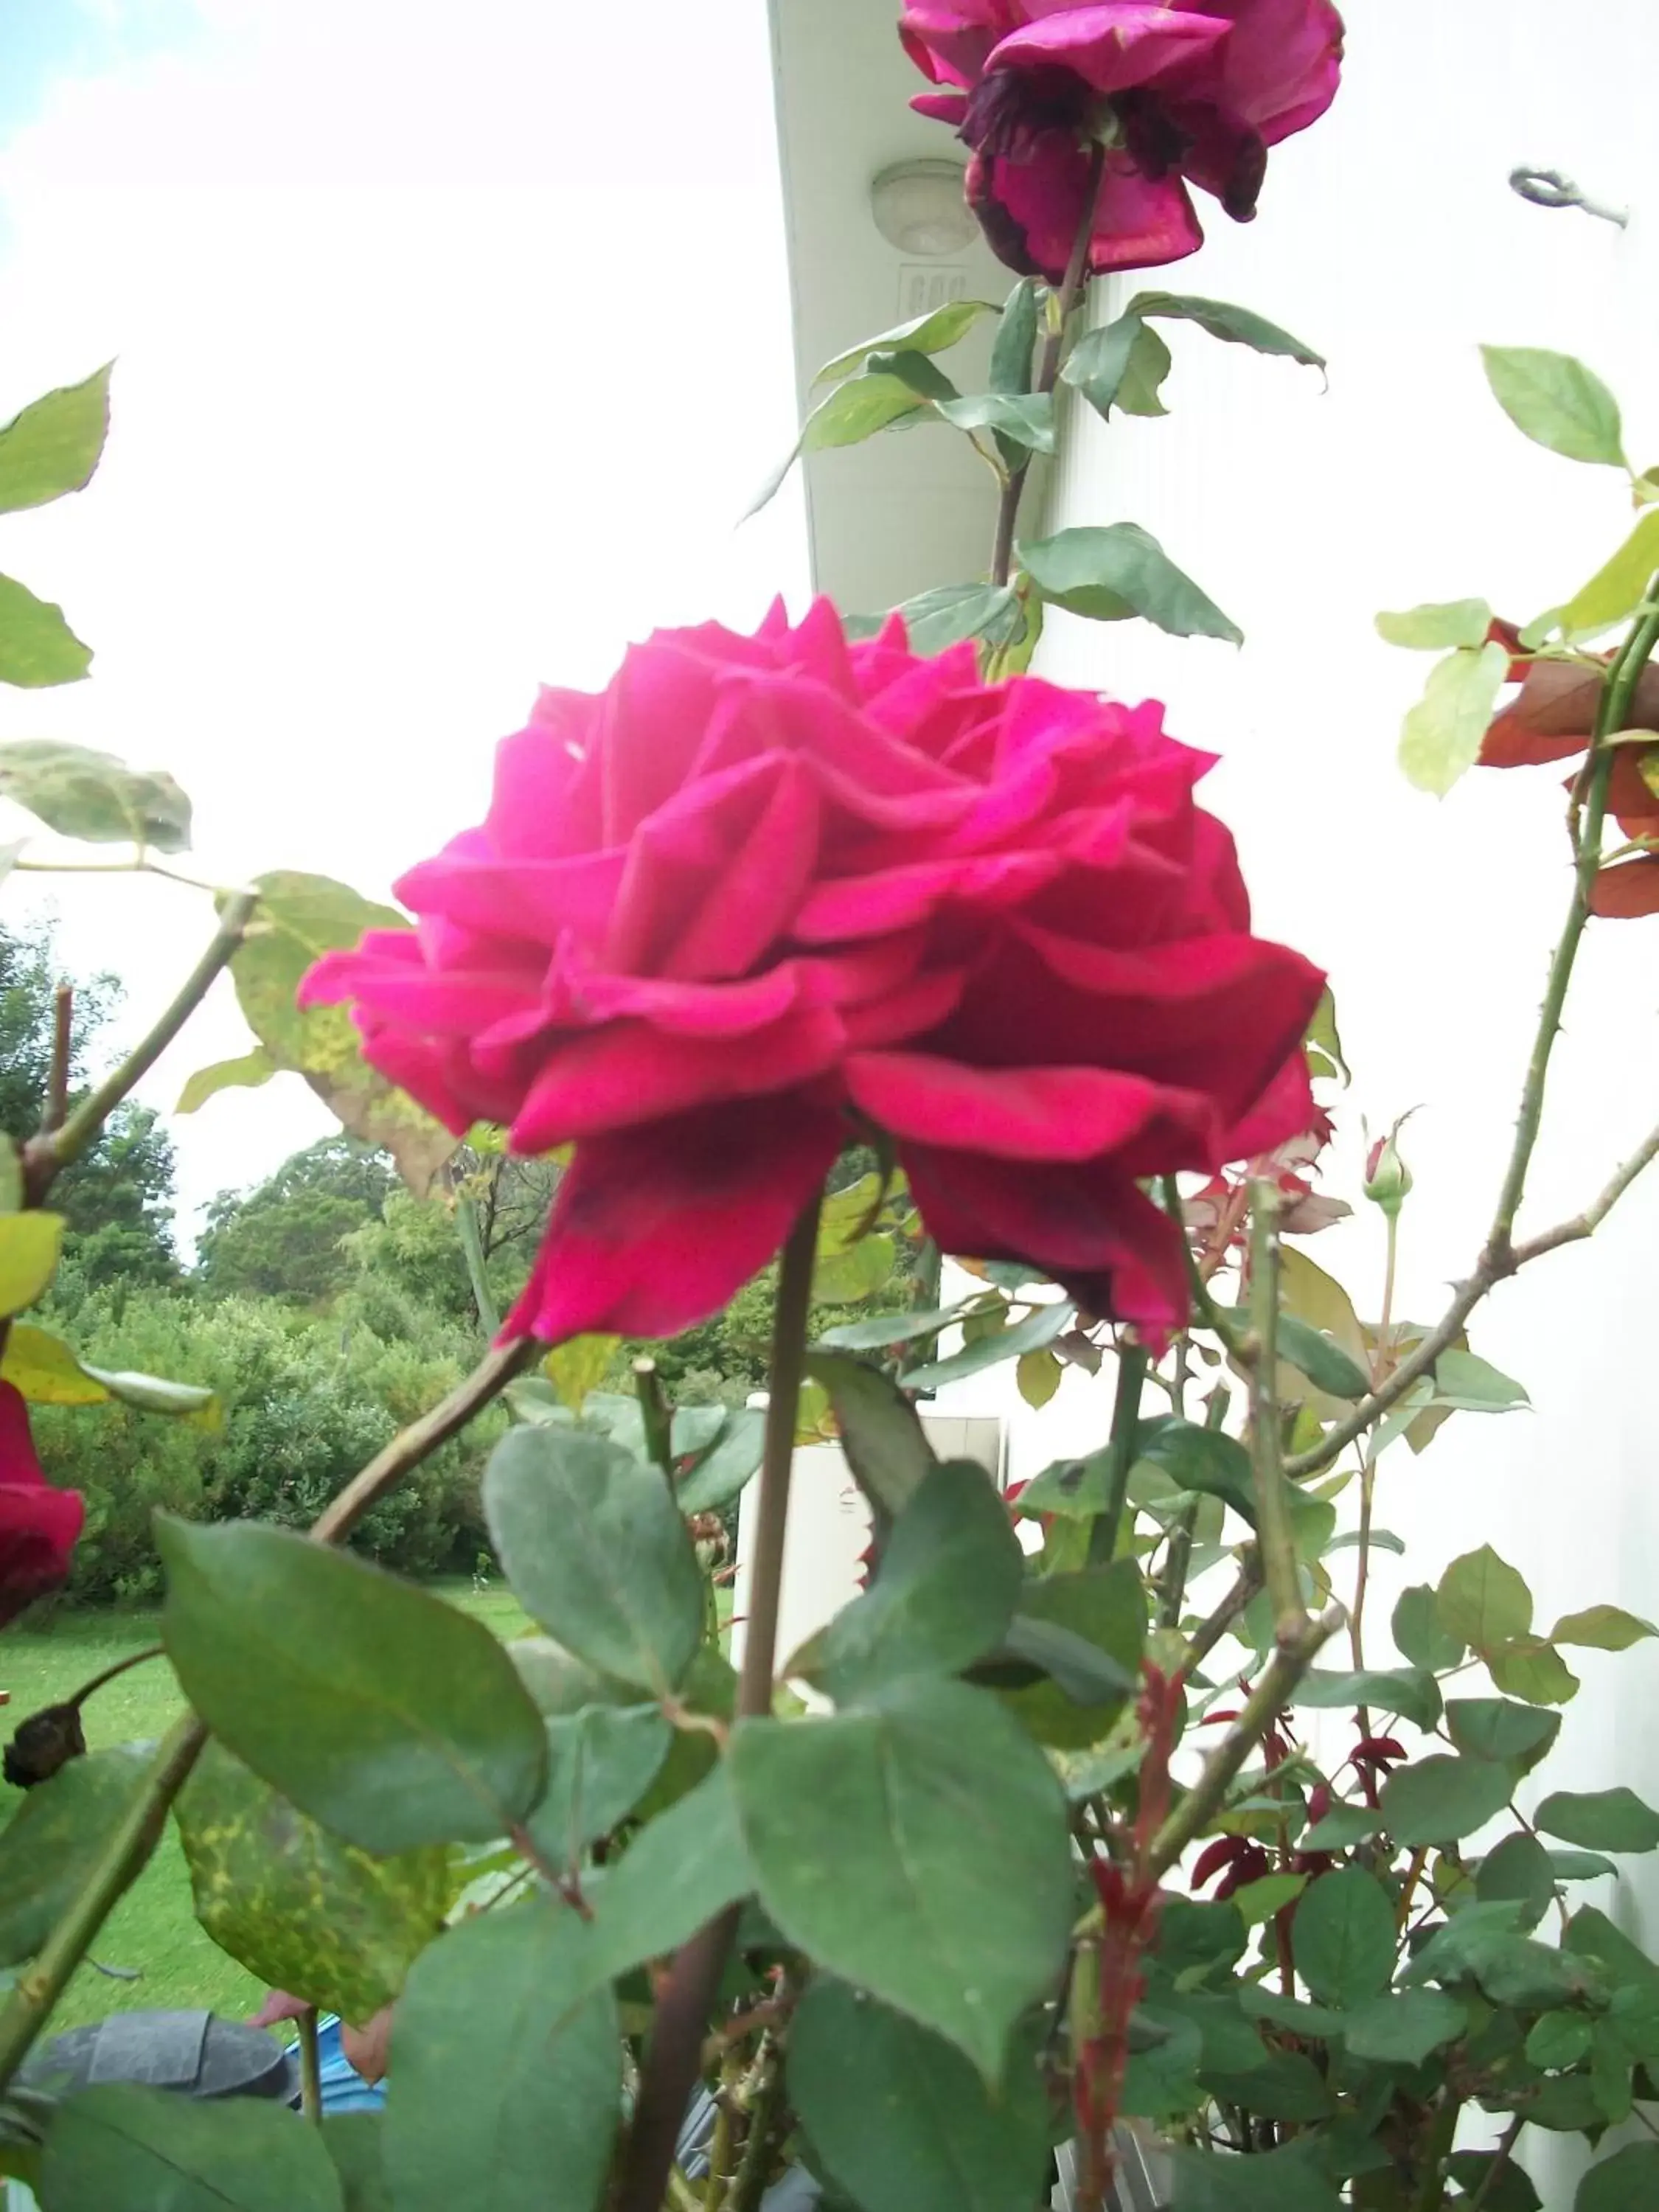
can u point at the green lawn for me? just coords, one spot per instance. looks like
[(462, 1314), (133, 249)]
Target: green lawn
[(154, 1928)]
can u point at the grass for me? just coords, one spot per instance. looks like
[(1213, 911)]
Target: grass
[(154, 1928)]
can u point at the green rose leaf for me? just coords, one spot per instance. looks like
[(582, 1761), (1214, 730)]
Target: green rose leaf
[(1037, 1377), (55, 1839), (1554, 400), (1580, 1866), (1343, 1826), (1236, 325), (301, 1910), (507, 2084), (901, 2118), (1120, 570), (601, 1761), (354, 2141), (1011, 350), (1557, 2040), (724, 1464), (38, 648), (1122, 365), (863, 1268), (395, 1720), (29, 1245), (944, 1593), (53, 446), (935, 333), (299, 918), (1528, 1667), (1484, 1601), (924, 379), (1200, 1459), (1404, 2030), (1620, 586), (1627, 2182), (1440, 1800), (1468, 1383), (1037, 1330), (681, 1870), (1343, 1937), (1518, 1869), (1602, 1628), (942, 617), (1492, 1728), (881, 1432), (1437, 627), (852, 412), (121, 2148), (919, 1849), (593, 1544), (1441, 736), (879, 1330), (1420, 1634), (1326, 1366), (1140, 390), (1290, 2179), (1084, 1630), (248, 1072), (1600, 1820), (91, 795), (1024, 418), (1403, 1690)]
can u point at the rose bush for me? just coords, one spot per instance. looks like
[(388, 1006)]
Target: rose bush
[(38, 1523), (764, 893), (1179, 95)]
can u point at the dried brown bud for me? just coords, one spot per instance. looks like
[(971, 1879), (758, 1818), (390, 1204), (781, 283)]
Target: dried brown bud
[(44, 1742)]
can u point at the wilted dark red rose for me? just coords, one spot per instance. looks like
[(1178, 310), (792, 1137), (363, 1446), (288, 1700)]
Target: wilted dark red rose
[(39, 1524), (1180, 95), (766, 895), (1552, 718)]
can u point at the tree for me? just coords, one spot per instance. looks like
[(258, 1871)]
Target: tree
[(283, 1239), (118, 1197)]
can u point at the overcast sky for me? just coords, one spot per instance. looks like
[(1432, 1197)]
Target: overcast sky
[(450, 344)]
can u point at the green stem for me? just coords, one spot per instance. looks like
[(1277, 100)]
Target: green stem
[(788, 1365), (1503, 2152), (62, 1048), (37, 1990), (688, 1991), (1273, 1529), (1172, 1587), (1622, 680), (498, 1367), (1071, 291), (1132, 1364), (1289, 1663), (311, 2068), (472, 1251), (752, 2166), (120, 1667), (1441, 2135), (656, 1416), (43, 1155), (1177, 1558)]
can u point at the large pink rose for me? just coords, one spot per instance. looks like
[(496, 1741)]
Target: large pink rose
[(39, 1524), (765, 894), (1197, 95)]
